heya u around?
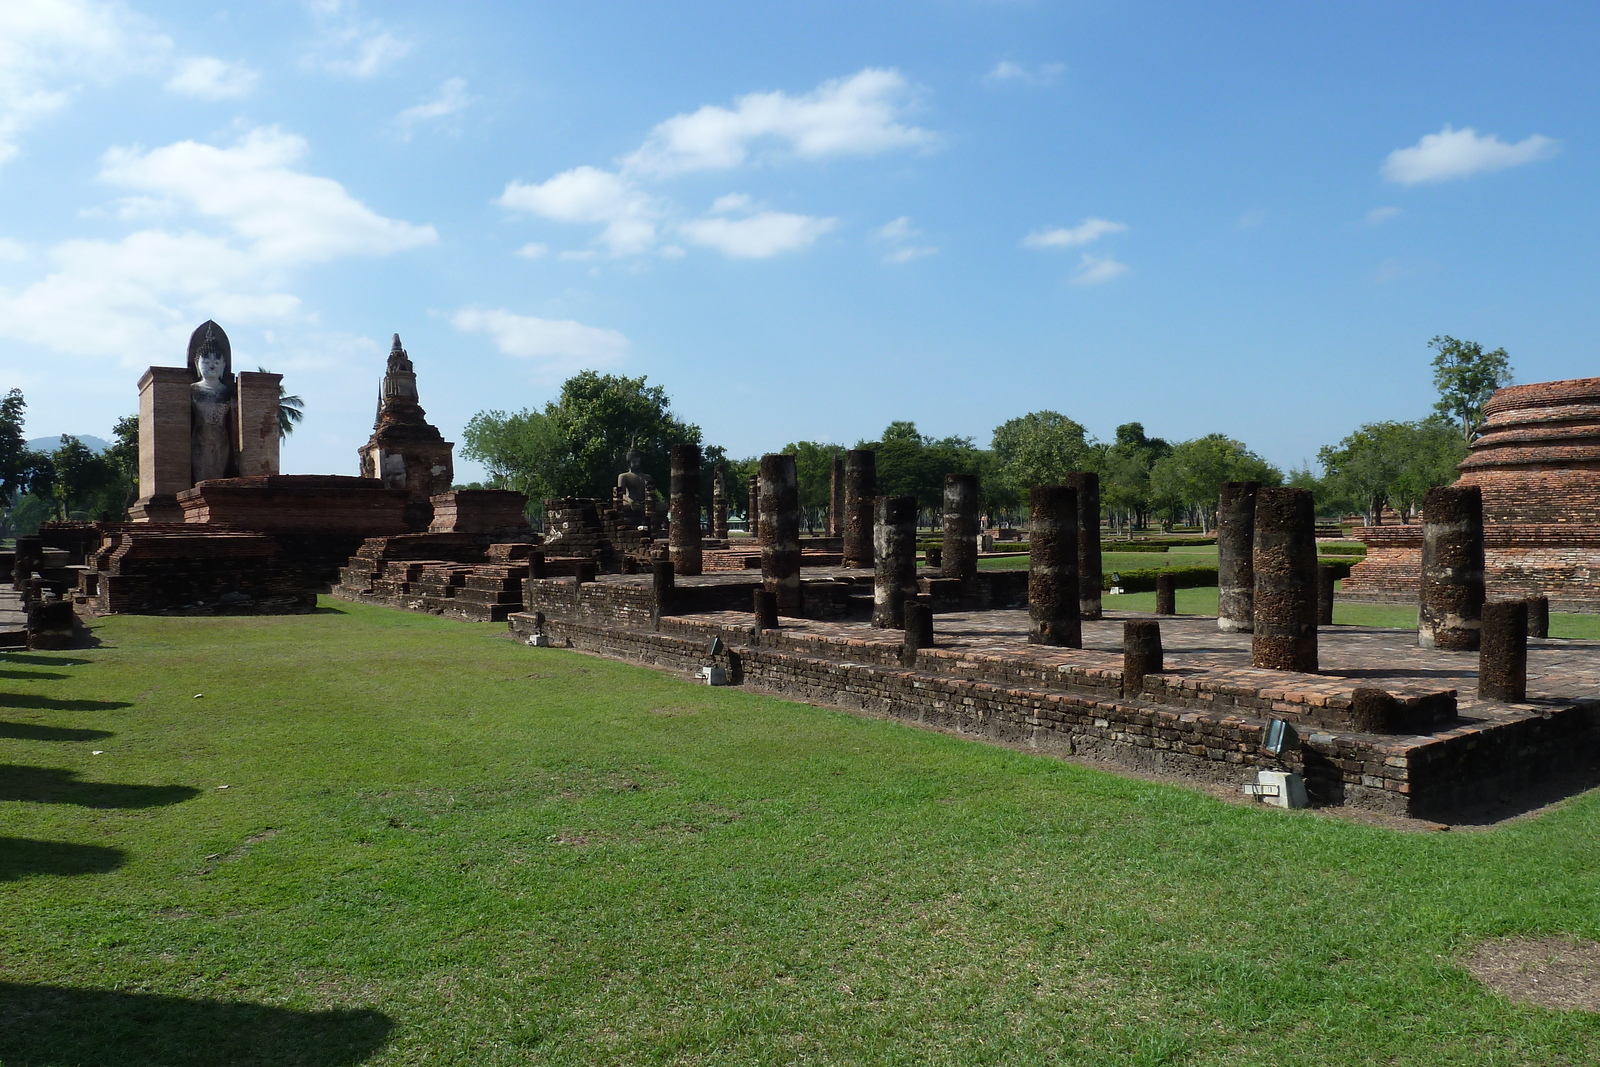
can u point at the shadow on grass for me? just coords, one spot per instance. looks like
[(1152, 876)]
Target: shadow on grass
[(327, 609), (35, 676), (49, 1025), (27, 731), (26, 700), (43, 661), (23, 856), (54, 785)]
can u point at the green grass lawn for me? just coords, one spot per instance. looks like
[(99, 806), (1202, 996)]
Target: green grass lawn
[(439, 847)]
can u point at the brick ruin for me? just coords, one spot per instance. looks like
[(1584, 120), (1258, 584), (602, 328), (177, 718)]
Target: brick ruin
[(1537, 465), (405, 450)]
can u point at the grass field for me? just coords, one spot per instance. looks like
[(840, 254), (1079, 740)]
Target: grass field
[(365, 836)]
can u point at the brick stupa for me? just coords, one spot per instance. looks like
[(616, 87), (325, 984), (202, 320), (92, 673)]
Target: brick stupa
[(1538, 465), (405, 450)]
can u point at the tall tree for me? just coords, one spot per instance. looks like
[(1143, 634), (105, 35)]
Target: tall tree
[(1466, 377), (1125, 473), (1041, 448), (1187, 478)]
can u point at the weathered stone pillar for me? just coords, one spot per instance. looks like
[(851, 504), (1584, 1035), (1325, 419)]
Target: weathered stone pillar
[(960, 551), (1053, 590), (860, 492), (1538, 616), (663, 582), (1375, 711), (1327, 585), (1141, 654), (919, 630), (753, 512), (1503, 652), (779, 509), (683, 533), (894, 552), (258, 422), (163, 444), (719, 502), (1166, 595), (1452, 568), (1236, 528), (1087, 483), (1285, 562), (765, 605), (836, 497)]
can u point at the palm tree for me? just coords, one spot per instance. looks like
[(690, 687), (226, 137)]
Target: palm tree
[(291, 409)]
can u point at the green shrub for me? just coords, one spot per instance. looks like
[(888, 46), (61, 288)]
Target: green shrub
[(1169, 542), (1131, 546), (1144, 579), (1353, 549), (1341, 567)]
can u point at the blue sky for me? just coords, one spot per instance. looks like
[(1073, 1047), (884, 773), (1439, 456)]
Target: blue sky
[(804, 220)]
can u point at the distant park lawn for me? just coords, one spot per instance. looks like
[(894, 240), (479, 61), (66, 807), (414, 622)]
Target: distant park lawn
[(364, 836)]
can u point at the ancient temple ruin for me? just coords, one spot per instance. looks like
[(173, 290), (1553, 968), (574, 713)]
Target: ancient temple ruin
[(405, 450)]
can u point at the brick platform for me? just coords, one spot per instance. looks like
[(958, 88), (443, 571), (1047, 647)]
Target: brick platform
[(1202, 717)]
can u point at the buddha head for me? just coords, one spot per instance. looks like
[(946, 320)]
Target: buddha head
[(210, 355), (635, 461)]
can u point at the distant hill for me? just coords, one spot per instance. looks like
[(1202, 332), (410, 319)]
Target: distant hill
[(50, 444)]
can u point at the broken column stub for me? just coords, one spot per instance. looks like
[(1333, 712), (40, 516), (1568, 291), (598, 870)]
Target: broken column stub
[(1285, 599), (960, 551), (1053, 591), (1452, 569), (779, 509), (719, 502), (683, 535), (1141, 654), (894, 550), (1539, 616), (919, 630), (765, 605), (1327, 586), (1236, 525), (1503, 652), (1087, 484), (860, 493), (836, 497)]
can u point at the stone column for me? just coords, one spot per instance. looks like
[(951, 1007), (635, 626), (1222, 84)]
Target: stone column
[(1236, 529), (1327, 586), (1503, 652), (683, 533), (1375, 711), (919, 630), (1141, 654), (894, 548), (663, 581), (1087, 483), (836, 497), (163, 444), (1538, 616), (860, 491), (960, 552), (779, 508), (1054, 604), (1166, 595), (765, 605), (1285, 599), (719, 502), (258, 422), (753, 511), (1452, 568)]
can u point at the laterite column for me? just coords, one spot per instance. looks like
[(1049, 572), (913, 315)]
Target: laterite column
[(836, 497), (894, 549), (860, 492), (662, 584), (683, 535), (1053, 602), (1166, 595), (1538, 616), (753, 512), (1087, 483), (919, 630), (961, 531), (1285, 561), (1452, 569), (1141, 654), (1236, 577), (1327, 585), (719, 502), (1503, 652), (780, 531)]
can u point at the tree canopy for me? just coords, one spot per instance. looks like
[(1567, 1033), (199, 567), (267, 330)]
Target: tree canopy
[(1466, 377)]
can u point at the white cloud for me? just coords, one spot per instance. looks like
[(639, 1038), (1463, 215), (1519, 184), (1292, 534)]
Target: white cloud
[(856, 115), (533, 250), (561, 346), (12, 251), (1086, 232), (210, 78), (1092, 270), (49, 48), (1461, 153), (1381, 214), (1038, 76), (732, 202), (763, 234), (290, 216), (588, 194), (452, 97), (349, 44), (899, 231)]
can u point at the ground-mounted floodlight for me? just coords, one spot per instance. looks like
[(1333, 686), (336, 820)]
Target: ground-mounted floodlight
[(1116, 584), (1282, 789), (714, 646), (1279, 737), (713, 675)]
